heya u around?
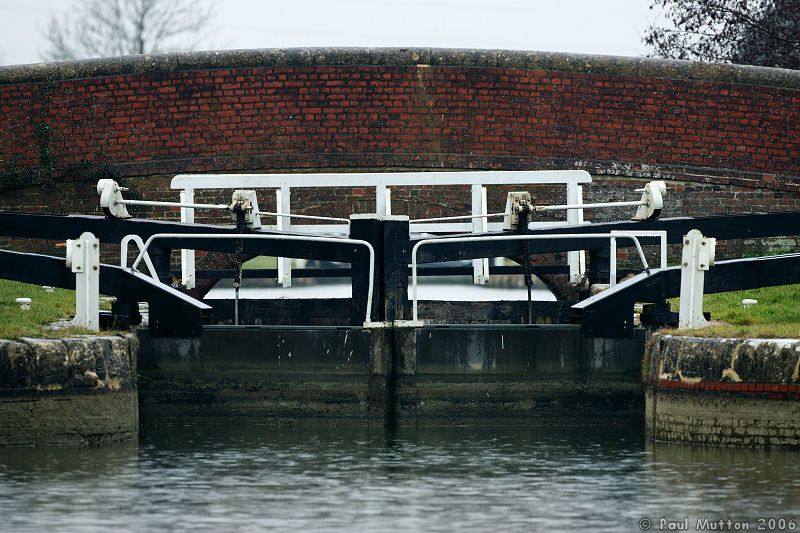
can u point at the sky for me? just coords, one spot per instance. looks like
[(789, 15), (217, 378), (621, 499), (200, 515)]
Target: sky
[(608, 27)]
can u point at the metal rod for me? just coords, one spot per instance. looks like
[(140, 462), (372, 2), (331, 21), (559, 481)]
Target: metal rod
[(314, 217), (223, 236), (173, 204), (490, 215), (530, 305), (587, 206), (236, 307), (553, 236), (225, 206), (537, 208)]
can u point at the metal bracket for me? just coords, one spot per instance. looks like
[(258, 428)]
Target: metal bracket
[(247, 198), (652, 201), (514, 203), (83, 259), (111, 199), (698, 256)]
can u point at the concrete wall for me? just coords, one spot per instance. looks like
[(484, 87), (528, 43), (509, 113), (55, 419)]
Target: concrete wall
[(723, 391), (511, 375), (68, 391), (267, 375), (396, 375)]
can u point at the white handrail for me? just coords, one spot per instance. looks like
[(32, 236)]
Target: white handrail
[(123, 254), (381, 181), (425, 242), (661, 234), (246, 236)]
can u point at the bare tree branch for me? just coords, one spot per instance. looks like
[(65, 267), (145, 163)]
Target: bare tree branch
[(97, 28), (757, 32)]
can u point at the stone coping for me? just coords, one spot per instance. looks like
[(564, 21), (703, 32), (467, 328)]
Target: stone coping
[(723, 364), (75, 364), (401, 57)]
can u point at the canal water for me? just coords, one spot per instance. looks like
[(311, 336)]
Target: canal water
[(210, 478)]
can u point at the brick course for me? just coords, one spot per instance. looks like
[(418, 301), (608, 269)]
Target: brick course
[(726, 137)]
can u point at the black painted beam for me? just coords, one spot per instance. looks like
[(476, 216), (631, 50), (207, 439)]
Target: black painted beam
[(395, 270), (171, 311), (610, 313), (366, 228), (63, 227), (721, 227)]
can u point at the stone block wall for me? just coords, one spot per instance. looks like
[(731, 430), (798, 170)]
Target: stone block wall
[(737, 392), (68, 391)]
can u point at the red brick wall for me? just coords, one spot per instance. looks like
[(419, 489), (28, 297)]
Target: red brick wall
[(728, 137)]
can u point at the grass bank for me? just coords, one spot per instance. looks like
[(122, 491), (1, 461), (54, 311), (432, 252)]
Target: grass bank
[(46, 307), (776, 315)]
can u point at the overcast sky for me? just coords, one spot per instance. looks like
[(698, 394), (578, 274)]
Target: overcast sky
[(582, 26)]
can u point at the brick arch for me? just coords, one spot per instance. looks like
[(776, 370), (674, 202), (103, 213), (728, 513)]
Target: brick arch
[(727, 137), (338, 108)]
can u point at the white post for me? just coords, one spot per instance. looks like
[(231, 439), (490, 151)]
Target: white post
[(283, 197), (83, 258), (612, 266), (485, 229), (581, 253), (380, 200), (480, 267), (187, 256), (388, 202), (698, 256), (575, 259)]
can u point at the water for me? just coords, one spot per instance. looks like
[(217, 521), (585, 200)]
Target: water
[(553, 479)]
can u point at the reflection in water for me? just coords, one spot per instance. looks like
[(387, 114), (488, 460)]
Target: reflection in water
[(548, 479)]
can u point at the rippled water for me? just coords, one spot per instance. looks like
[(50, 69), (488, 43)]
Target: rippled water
[(487, 479)]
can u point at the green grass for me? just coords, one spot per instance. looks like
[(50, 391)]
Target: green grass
[(777, 313), (46, 307), (262, 261)]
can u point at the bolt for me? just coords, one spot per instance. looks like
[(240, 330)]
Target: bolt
[(686, 242), (94, 267), (686, 264)]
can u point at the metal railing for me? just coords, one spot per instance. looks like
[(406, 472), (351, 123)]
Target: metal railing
[(425, 242), (123, 254), (612, 274), (572, 180), (236, 236)]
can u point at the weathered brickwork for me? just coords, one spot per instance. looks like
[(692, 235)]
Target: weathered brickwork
[(725, 137), (723, 391), (397, 115)]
